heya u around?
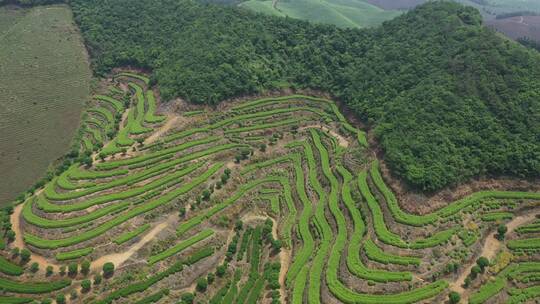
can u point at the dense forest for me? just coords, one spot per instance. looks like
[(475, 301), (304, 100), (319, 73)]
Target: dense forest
[(447, 98)]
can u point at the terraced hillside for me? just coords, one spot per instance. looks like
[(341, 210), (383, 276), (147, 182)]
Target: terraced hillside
[(273, 200)]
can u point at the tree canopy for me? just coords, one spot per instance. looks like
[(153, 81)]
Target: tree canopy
[(447, 98)]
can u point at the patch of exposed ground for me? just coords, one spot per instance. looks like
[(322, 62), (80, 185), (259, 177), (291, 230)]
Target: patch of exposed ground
[(342, 141), (170, 122), (489, 250), (120, 258), (19, 239)]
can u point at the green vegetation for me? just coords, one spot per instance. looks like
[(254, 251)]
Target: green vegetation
[(89, 234), (309, 176), (150, 116), (143, 78), (131, 234), (153, 298), (41, 47), (493, 287), (343, 14), (135, 125), (14, 300), (420, 94), (181, 246), (32, 287), (524, 244), (377, 254), (147, 283), (9, 268), (116, 104), (497, 216), (75, 254)]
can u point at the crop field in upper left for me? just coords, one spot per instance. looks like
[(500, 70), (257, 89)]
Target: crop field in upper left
[(44, 82)]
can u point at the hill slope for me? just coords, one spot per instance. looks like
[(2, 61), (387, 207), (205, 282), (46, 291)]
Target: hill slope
[(447, 98), (343, 13), (44, 81)]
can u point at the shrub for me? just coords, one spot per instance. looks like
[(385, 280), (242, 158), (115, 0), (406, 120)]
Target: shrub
[(501, 231), (25, 255), (108, 269), (454, 297), (34, 267), (182, 212), (475, 270), (85, 267), (221, 270), (188, 298), (49, 271), (86, 285), (60, 298), (97, 279), (73, 269), (73, 295), (10, 235), (482, 262), (202, 284)]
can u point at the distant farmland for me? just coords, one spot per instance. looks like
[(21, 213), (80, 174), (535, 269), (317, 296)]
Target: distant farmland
[(517, 27), (343, 13), (44, 82), (396, 4)]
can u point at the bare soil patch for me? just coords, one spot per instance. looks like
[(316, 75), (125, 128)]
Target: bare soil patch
[(120, 258)]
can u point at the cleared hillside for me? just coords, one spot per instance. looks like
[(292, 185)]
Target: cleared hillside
[(44, 82)]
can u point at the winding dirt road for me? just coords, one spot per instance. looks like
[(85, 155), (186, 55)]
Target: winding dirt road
[(19, 241), (120, 258), (116, 258), (170, 122), (489, 250)]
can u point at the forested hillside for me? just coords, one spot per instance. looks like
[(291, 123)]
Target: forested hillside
[(447, 99)]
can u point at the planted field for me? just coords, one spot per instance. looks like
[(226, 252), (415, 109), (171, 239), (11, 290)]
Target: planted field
[(349, 13), (274, 200), (45, 82)]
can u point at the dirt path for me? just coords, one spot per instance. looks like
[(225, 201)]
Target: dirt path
[(119, 258), (284, 254), (341, 140), (170, 122), (489, 250), (116, 258), (15, 219)]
